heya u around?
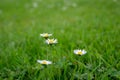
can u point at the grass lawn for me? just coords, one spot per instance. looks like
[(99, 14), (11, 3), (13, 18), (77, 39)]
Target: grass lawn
[(92, 25)]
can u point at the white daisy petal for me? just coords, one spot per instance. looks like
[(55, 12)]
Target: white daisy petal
[(45, 62), (41, 34), (49, 62), (75, 51), (45, 35), (79, 52), (55, 40), (39, 61), (84, 52), (51, 41)]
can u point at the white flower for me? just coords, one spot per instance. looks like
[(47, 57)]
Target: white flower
[(45, 62), (80, 52), (51, 41), (45, 35)]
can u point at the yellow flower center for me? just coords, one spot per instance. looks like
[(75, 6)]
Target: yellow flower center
[(44, 62), (51, 41), (46, 35), (79, 52)]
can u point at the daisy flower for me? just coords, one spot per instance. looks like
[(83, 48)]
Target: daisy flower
[(80, 52), (51, 41), (45, 62), (45, 35)]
